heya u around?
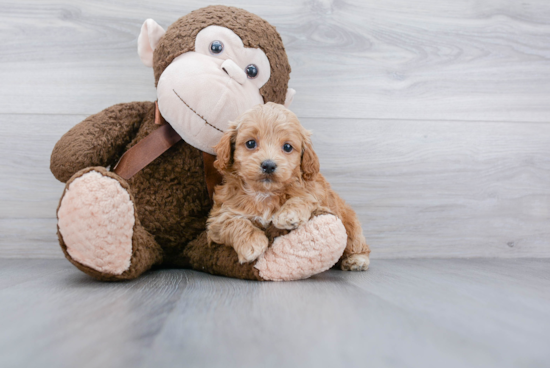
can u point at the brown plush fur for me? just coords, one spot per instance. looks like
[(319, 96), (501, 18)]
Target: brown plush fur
[(170, 195), (173, 182), (253, 31), (286, 197), (99, 140)]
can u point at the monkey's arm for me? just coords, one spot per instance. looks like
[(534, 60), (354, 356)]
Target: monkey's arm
[(97, 140)]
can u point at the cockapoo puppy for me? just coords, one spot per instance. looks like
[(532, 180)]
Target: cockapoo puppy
[(271, 176)]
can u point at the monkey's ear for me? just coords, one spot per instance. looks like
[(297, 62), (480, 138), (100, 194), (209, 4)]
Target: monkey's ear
[(148, 40), (289, 96), (224, 151), (310, 162)]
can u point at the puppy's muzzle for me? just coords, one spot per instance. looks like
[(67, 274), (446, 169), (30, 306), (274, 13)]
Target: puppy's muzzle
[(268, 167)]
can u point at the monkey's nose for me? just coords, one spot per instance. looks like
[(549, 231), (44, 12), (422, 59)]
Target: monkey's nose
[(268, 166), (234, 71)]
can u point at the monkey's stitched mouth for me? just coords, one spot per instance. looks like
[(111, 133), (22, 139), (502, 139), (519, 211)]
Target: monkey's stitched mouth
[(196, 113)]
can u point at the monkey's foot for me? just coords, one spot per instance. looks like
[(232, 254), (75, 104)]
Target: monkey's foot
[(96, 221), (310, 249)]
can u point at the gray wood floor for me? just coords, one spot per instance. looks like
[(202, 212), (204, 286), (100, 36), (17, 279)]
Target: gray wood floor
[(401, 313), (431, 118)]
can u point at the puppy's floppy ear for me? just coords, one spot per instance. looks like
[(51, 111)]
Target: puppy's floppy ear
[(224, 150), (310, 161)]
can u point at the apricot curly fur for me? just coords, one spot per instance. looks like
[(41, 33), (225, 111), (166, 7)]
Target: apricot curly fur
[(250, 200)]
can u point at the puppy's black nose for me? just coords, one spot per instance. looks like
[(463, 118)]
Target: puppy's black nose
[(268, 166)]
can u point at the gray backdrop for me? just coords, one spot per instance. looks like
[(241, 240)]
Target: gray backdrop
[(431, 118)]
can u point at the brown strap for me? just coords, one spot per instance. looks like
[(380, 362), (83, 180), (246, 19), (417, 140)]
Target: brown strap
[(148, 149), (154, 145), (211, 174)]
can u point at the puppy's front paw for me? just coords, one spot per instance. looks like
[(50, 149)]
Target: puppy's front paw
[(355, 262), (290, 219), (251, 248)]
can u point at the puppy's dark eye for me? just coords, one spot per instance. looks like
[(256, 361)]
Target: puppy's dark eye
[(251, 144), (287, 147), (252, 71), (216, 47)]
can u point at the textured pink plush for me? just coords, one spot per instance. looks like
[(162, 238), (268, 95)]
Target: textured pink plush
[(306, 251), (96, 219)]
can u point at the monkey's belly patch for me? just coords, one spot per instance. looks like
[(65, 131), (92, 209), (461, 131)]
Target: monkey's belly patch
[(310, 249), (96, 220)]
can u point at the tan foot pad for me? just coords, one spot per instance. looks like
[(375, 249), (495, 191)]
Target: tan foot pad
[(96, 220), (312, 248)]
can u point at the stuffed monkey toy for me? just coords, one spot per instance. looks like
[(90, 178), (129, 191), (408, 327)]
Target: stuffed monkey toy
[(139, 176)]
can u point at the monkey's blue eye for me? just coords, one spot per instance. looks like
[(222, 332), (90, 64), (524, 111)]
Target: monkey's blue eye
[(251, 144), (216, 47), (287, 147), (252, 71)]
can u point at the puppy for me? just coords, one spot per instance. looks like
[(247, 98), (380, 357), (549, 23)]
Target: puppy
[(271, 176)]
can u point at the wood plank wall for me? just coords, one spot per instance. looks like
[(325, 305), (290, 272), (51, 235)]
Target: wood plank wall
[(431, 117)]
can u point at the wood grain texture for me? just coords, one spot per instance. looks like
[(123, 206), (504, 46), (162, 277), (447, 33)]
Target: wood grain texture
[(401, 313), (430, 118), (442, 189), (421, 189), (438, 60), (29, 194)]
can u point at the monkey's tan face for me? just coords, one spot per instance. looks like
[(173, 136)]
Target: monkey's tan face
[(267, 151), (201, 91)]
